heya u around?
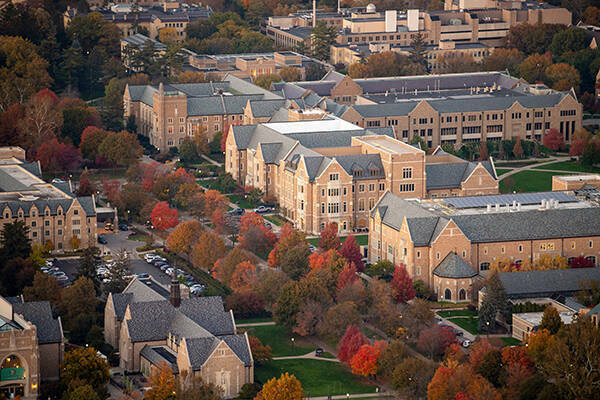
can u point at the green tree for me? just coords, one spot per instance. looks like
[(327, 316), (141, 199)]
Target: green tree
[(266, 80), (494, 304), (322, 37), (571, 39), (289, 74), (44, 288), (85, 392), (78, 300), (533, 67), (551, 320), (412, 376), (122, 148), (418, 52), (15, 240), (89, 263), (117, 281), (416, 139)]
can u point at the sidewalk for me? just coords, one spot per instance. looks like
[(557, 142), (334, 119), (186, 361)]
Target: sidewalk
[(268, 323), (310, 355), (375, 396)]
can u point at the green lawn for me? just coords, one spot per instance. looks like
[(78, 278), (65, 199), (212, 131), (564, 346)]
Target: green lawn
[(241, 201), (518, 164), (457, 313), (361, 240), (501, 171), (275, 219), (252, 320), (528, 181), (510, 341), (318, 378), (467, 323), (279, 340), (371, 334), (568, 166)]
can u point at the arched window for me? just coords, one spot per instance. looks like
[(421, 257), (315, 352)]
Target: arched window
[(484, 266), (462, 295), (448, 294), (12, 368)]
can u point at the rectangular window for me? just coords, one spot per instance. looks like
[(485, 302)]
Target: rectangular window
[(371, 187), (33, 223), (361, 188), (60, 231), (344, 207), (361, 205), (542, 246), (76, 232), (334, 192), (418, 254), (381, 187), (407, 187), (371, 203), (345, 191), (46, 223), (322, 208), (334, 177), (76, 222), (520, 248), (334, 208), (407, 173), (550, 246)]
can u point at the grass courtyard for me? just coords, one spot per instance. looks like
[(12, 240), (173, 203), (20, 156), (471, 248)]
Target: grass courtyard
[(280, 341), (318, 377), (274, 219), (570, 166), (361, 240), (457, 313), (466, 319), (501, 171), (528, 181)]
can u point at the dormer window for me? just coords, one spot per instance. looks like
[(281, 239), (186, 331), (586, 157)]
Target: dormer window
[(357, 172), (47, 213), (60, 211), (75, 211), (374, 172)]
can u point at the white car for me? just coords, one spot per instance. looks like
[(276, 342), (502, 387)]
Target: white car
[(466, 343), (169, 271), (49, 263), (149, 257), (58, 180)]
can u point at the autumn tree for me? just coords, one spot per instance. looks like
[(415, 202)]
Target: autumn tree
[(85, 187), (364, 362), (351, 342), (551, 320), (162, 384), (260, 353), (347, 276), (402, 286), (83, 366), (23, 71), (266, 80), (293, 295), (518, 366), (329, 237), (554, 140), (291, 252), (435, 340), (191, 77), (503, 59), (207, 250), (254, 235), (9, 122), (56, 156), (42, 120), (245, 304), (337, 319), (121, 148), (183, 237), (351, 252), (533, 67), (411, 377), (358, 70), (518, 148), (563, 76), (224, 268), (214, 200), (44, 288), (289, 74), (268, 285), (309, 317), (163, 217), (483, 152), (243, 277), (460, 382), (286, 387)]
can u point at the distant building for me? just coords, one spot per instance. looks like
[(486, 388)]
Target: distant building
[(168, 113), (328, 170), (575, 182), (448, 243), (51, 211), (151, 325), (31, 347), (525, 323), (153, 18)]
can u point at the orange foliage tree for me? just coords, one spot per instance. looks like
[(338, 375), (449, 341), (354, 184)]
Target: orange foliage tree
[(254, 235), (244, 276), (352, 341), (460, 382), (162, 384), (183, 237), (163, 217), (347, 276), (213, 200), (364, 362), (286, 387), (207, 250)]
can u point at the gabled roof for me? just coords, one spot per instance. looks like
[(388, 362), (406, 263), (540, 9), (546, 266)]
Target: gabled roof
[(452, 266), (265, 108), (39, 314), (545, 283), (363, 162), (451, 175)]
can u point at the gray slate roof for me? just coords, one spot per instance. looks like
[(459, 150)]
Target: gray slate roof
[(39, 313), (199, 349), (159, 354), (451, 175), (53, 205), (266, 108), (452, 266), (546, 283), (364, 163)]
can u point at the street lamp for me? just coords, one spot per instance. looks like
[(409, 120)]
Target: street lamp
[(293, 352), (487, 329)]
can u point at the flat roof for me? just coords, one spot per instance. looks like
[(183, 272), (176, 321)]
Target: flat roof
[(578, 177), (334, 124), (389, 145), (535, 318), (510, 198)]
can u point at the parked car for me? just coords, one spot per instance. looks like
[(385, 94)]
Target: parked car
[(262, 209), (268, 225), (164, 267), (237, 211), (49, 263), (58, 180), (149, 257), (102, 240), (123, 227), (466, 343), (45, 269), (169, 271), (143, 276), (312, 248), (319, 352)]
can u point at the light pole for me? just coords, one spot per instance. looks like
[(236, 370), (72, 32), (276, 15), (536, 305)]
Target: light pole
[(293, 352), (487, 329)]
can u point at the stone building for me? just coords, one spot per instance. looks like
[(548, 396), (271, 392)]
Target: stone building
[(329, 170), (31, 347), (50, 210), (168, 113), (195, 336), (447, 243), (575, 182)]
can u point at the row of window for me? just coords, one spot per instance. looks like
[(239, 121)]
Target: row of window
[(59, 232), (7, 214), (485, 266)]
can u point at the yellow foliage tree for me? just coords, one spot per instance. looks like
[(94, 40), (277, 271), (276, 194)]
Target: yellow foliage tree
[(358, 70), (287, 387), (183, 237), (162, 384), (208, 249), (167, 35)]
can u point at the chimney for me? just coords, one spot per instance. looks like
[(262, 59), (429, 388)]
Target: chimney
[(489, 208), (543, 203), (497, 207), (518, 206), (314, 13), (175, 291)]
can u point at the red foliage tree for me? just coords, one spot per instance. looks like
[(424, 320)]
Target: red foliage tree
[(581, 262), (218, 220), (351, 252), (214, 199), (184, 176), (320, 260), (329, 237), (364, 361), (402, 286), (56, 156), (164, 217), (9, 124), (435, 340), (554, 140), (86, 187), (110, 188), (577, 147), (245, 304), (347, 276), (244, 277), (149, 176), (254, 235), (91, 138), (352, 341)]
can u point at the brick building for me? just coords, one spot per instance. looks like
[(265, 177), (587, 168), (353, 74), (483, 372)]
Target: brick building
[(575, 182), (31, 347), (329, 170), (169, 113), (50, 210), (151, 325), (451, 242)]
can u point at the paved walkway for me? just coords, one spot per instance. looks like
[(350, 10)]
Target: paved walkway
[(210, 160), (374, 396), (268, 323), (532, 166), (310, 355)]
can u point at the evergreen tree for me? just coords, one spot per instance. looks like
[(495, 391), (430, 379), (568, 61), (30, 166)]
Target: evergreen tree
[(418, 51), (88, 264), (118, 272), (495, 303), (551, 320), (322, 37), (15, 240)]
